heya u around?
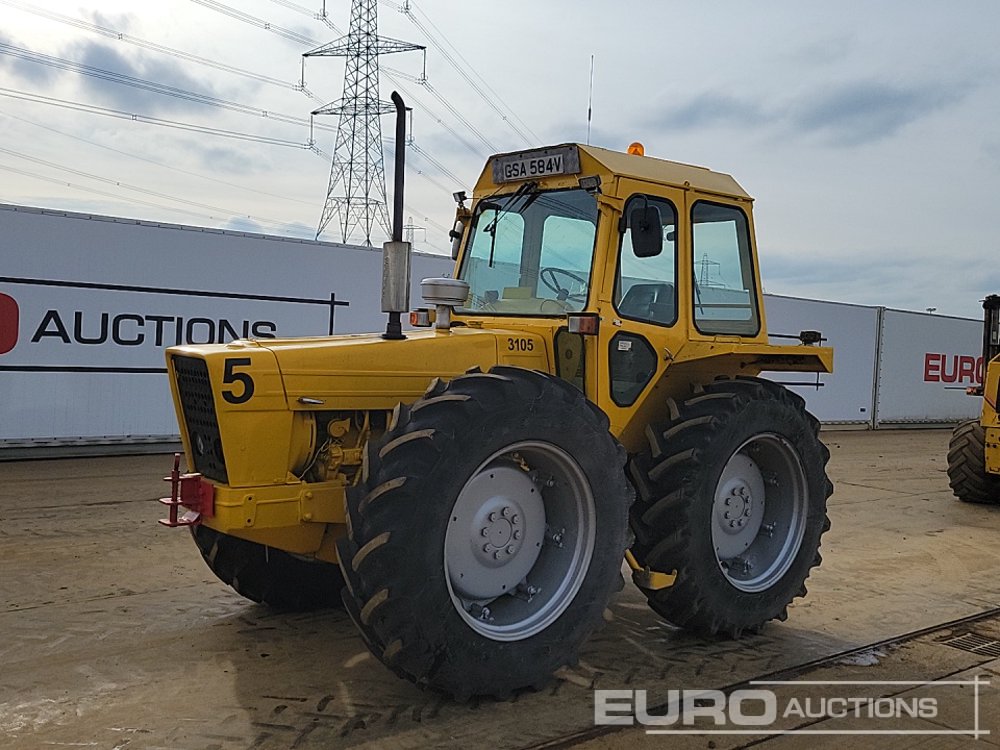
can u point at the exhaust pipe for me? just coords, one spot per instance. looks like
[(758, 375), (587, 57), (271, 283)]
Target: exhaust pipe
[(396, 253)]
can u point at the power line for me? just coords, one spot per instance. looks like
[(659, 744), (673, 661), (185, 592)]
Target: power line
[(129, 39), (96, 191), (187, 212), (239, 15), (393, 75), (143, 84), (62, 63), (155, 162), (523, 131), (312, 14), (469, 66), (93, 109), (441, 168), (416, 171), (145, 119), (127, 186)]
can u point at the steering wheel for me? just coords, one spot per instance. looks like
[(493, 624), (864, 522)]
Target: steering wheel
[(549, 276)]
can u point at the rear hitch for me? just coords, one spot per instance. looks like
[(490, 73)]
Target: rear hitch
[(191, 491)]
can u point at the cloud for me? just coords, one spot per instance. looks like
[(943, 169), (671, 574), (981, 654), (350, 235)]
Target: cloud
[(243, 224), (864, 112), (853, 268), (296, 229), (105, 57), (165, 73), (824, 51), (876, 278), (991, 152), (849, 114), (707, 110), (24, 71), (120, 22), (226, 160)]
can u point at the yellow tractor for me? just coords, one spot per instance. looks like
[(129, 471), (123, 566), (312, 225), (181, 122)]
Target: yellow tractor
[(974, 452), (581, 395)]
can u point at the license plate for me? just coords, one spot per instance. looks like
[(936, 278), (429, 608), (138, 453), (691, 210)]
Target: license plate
[(533, 164)]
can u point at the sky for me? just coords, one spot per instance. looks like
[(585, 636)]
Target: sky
[(867, 132)]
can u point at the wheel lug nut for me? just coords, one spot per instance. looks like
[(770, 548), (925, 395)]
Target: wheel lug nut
[(493, 516), (517, 534), (729, 501), (486, 531), (487, 547), (515, 518), (726, 514), (505, 512), (496, 555), (510, 549)]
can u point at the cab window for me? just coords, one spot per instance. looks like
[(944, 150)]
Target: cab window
[(725, 300), (530, 252), (645, 287)]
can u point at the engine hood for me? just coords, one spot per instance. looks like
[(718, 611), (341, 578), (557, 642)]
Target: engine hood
[(365, 371)]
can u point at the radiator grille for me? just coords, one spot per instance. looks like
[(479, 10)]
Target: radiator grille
[(198, 405)]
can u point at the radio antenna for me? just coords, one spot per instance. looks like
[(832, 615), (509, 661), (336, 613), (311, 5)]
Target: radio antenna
[(590, 99)]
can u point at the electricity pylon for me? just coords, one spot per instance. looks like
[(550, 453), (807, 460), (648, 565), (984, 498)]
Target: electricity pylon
[(356, 193)]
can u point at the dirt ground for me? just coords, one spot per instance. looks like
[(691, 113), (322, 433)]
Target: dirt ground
[(115, 634)]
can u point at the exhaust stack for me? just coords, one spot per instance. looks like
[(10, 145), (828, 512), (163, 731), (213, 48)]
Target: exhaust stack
[(396, 253)]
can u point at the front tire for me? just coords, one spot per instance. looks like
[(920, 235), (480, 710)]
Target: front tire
[(488, 533), (732, 496), (967, 475)]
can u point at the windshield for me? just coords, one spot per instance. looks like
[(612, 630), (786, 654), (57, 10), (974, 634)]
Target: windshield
[(529, 253)]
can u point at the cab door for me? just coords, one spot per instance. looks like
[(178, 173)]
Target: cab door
[(642, 299)]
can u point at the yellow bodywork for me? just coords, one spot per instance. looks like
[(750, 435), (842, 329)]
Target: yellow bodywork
[(991, 416), (294, 447)]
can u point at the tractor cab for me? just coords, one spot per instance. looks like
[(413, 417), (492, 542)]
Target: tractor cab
[(652, 261)]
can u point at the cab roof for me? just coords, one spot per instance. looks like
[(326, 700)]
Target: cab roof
[(646, 168)]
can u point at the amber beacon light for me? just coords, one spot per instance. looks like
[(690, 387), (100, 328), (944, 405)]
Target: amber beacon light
[(636, 149)]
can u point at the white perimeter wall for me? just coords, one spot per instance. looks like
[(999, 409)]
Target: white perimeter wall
[(891, 367), (81, 363), (55, 389)]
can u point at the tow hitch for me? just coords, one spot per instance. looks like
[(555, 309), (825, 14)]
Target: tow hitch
[(191, 491)]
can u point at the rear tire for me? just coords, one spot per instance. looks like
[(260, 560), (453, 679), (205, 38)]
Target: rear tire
[(487, 536), (732, 496), (967, 473), (269, 576)]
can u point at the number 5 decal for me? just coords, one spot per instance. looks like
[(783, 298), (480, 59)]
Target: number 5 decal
[(230, 376)]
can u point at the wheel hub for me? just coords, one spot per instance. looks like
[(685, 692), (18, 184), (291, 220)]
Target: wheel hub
[(758, 517), (496, 532), (738, 507), (519, 542), (502, 531)]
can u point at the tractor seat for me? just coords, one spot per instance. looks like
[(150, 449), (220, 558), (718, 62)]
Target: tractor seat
[(652, 302)]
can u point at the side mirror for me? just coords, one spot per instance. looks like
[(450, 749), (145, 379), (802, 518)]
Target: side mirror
[(647, 231), (456, 238)]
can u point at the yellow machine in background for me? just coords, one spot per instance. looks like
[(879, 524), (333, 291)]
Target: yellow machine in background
[(583, 391), (974, 453)]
